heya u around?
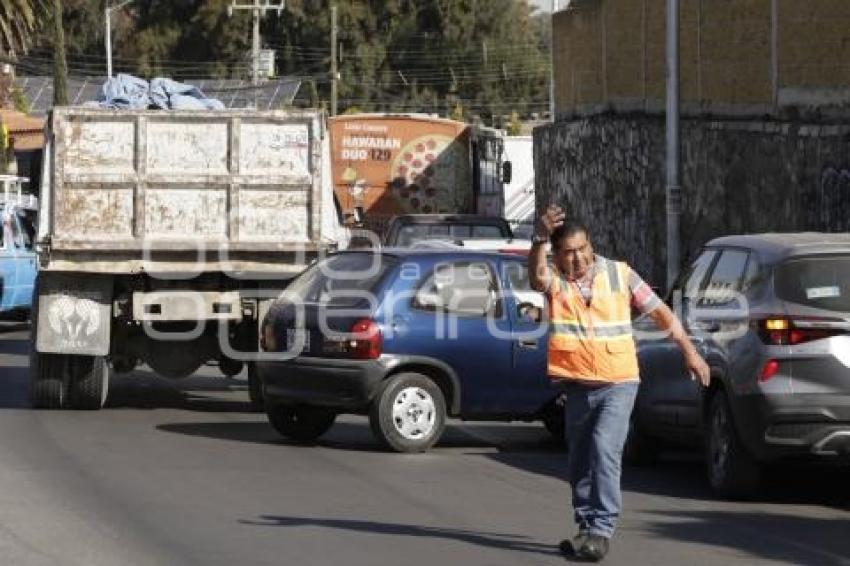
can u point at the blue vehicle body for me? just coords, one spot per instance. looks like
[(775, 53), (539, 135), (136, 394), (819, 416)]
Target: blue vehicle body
[(17, 262), (490, 367)]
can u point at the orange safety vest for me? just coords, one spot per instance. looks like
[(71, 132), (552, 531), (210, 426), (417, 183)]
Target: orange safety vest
[(592, 343)]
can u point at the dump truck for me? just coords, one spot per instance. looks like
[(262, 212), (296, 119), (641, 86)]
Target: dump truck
[(163, 236), (385, 165)]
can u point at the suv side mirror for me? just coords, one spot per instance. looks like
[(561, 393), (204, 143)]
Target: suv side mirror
[(507, 172)]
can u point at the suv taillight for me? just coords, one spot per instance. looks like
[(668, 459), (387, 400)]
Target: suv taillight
[(366, 341), (790, 331)]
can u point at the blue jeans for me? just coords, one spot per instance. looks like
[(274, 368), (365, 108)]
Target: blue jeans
[(597, 421)]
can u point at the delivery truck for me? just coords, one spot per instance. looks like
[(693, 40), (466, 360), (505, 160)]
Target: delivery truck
[(385, 165)]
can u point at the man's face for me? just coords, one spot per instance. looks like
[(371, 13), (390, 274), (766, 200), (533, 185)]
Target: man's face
[(574, 255)]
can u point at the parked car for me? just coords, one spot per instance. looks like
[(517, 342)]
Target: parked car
[(446, 335), (771, 314), (407, 229), (17, 254)]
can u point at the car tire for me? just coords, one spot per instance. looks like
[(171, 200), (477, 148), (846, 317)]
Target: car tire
[(640, 449), (255, 388), (89, 382), (553, 420), (732, 472), (47, 386), (301, 423), (409, 413)]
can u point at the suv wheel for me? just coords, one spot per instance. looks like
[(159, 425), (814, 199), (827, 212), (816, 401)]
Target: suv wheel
[(409, 413), (732, 472), (640, 449), (301, 423)]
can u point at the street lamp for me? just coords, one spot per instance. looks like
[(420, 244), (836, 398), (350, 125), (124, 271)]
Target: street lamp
[(108, 17)]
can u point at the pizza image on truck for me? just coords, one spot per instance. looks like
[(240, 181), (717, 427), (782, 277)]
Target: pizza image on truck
[(386, 165)]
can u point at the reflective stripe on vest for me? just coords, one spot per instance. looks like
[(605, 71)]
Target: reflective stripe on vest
[(593, 342)]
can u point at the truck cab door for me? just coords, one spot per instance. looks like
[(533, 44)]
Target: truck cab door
[(25, 262), (7, 269)]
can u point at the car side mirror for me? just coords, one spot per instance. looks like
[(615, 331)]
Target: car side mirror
[(507, 172)]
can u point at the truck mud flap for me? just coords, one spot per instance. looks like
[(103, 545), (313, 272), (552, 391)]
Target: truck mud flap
[(74, 314)]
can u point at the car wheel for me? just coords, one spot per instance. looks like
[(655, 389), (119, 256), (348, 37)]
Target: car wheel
[(301, 423), (553, 420), (732, 472), (255, 388), (409, 413), (88, 383), (640, 449)]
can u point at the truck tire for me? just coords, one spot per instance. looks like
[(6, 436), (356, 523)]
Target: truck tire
[(302, 423), (409, 413), (48, 386), (255, 388), (48, 383), (88, 383), (732, 472)]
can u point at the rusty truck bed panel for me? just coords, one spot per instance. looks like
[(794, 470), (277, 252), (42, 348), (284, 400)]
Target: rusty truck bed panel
[(178, 181)]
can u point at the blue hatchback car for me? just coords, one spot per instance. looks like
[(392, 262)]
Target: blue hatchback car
[(409, 337)]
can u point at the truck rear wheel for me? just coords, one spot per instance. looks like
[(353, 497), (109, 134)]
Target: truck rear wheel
[(48, 389), (88, 383), (255, 388)]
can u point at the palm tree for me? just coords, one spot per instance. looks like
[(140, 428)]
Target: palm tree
[(18, 22)]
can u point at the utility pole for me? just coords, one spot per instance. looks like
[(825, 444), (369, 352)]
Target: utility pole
[(259, 9), (334, 57), (674, 189), (107, 17), (60, 64), (553, 8)]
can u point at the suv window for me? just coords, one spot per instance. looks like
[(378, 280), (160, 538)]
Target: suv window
[(725, 281), (463, 288), (820, 282)]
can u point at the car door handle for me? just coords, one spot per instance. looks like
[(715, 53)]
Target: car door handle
[(528, 344)]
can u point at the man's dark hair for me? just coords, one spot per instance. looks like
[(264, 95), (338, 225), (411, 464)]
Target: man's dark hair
[(567, 229)]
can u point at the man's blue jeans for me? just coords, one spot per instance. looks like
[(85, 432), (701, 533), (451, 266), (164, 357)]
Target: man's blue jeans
[(597, 420)]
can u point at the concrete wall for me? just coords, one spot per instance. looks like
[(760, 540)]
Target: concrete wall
[(741, 57), (737, 176)]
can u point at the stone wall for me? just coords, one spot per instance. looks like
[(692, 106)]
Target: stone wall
[(737, 177)]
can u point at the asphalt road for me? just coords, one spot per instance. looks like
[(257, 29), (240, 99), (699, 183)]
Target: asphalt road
[(182, 473)]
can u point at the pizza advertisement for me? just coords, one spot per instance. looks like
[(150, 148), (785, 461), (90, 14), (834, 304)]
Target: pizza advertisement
[(391, 164)]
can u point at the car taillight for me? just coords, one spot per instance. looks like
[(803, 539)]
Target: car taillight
[(769, 370), (790, 331), (366, 341)]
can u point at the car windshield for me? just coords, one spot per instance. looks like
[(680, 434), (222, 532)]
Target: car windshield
[(341, 280), (821, 282), (410, 234)]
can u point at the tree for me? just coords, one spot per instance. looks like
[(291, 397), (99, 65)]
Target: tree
[(19, 20)]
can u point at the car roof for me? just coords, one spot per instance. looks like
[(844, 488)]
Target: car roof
[(773, 247)]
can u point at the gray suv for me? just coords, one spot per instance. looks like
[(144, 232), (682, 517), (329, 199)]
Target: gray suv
[(771, 315)]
